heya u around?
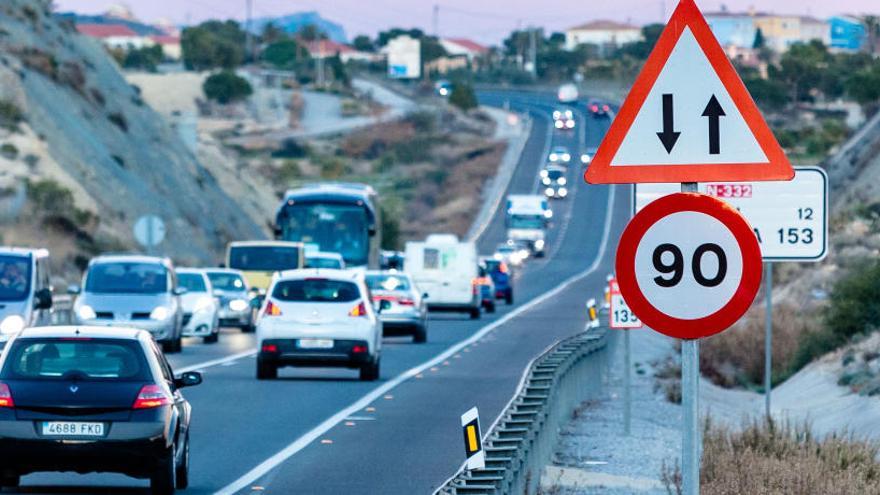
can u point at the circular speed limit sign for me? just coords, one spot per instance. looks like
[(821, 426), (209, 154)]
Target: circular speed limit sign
[(689, 265)]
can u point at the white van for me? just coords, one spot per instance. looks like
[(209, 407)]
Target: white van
[(25, 292), (527, 217), (445, 268)]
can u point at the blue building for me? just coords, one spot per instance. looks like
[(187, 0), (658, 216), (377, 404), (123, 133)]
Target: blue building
[(847, 33), (733, 29)]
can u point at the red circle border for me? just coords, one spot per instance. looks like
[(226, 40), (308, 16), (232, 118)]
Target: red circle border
[(742, 299)]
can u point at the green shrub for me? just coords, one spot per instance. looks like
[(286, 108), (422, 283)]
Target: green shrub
[(855, 303), (10, 115), (463, 96), (9, 151), (226, 87)]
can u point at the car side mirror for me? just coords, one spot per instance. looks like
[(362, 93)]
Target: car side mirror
[(372, 231), (179, 291), (43, 299), (74, 290), (256, 302), (383, 305), (188, 379), (425, 295)]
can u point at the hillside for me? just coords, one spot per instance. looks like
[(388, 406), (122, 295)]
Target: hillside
[(293, 23), (95, 155)]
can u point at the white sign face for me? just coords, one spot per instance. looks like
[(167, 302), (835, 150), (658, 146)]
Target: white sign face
[(404, 58), (149, 230), (790, 219), (473, 443), (688, 117), (620, 314), (688, 265)]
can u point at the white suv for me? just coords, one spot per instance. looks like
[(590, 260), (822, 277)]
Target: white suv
[(318, 317)]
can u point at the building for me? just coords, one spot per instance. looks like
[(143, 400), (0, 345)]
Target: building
[(735, 30), (117, 36), (170, 46), (443, 65), (783, 31), (847, 33), (463, 46), (603, 34), (330, 48)]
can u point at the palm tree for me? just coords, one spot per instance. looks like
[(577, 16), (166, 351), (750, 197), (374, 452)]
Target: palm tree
[(872, 27)]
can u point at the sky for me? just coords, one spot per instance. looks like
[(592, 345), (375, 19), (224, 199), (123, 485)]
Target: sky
[(487, 21)]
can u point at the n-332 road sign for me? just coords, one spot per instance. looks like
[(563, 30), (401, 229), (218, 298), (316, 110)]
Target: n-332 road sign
[(790, 219)]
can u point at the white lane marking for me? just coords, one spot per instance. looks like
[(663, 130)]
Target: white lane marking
[(360, 418), (548, 143), (302, 442), (216, 362)]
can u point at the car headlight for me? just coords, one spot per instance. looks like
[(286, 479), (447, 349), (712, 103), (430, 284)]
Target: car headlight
[(548, 214), (539, 244), (554, 157), (546, 181), (160, 313), (202, 304), (558, 124), (569, 124), (544, 173), (238, 305), (549, 191), (566, 157), (585, 158), (12, 324), (562, 181), (85, 312), (563, 192)]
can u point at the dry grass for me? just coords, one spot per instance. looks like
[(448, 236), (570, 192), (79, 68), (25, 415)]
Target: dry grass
[(769, 459), (736, 357)]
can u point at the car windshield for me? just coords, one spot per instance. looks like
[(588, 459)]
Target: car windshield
[(554, 174), (387, 282), (342, 229), (15, 278), (264, 258), (316, 290), (127, 278), (526, 222), (322, 262), (80, 359), (192, 282), (226, 281), (560, 150)]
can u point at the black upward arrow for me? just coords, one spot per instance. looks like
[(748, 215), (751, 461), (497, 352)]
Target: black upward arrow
[(668, 137), (714, 112)]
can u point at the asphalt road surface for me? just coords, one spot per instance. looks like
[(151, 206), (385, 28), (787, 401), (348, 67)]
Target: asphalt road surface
[(322, 431)]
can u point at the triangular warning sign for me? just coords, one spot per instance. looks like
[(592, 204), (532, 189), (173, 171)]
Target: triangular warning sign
[(688, 117)]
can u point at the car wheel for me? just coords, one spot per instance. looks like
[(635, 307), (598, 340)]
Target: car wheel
[(490, 308), (250, 328), (182, 473), (167, 346), (162, 480), (178, 344), (508, 297), (10, 481), (213, 337), (475, 313), (420, 335), (370, 372), (266, 371)]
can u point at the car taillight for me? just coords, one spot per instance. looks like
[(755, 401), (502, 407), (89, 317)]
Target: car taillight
[(594, 108), (359, 349), (272, 309), (151, 396), (406, 302), (272, 348), (359, 310), (6, 396), (605, 107)]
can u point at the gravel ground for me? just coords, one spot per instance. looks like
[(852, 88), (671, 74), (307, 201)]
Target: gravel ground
[(594, 455)]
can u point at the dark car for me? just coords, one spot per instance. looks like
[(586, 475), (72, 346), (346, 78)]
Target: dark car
[(598, 108), (484, 288), (500, 274), (90, 399)]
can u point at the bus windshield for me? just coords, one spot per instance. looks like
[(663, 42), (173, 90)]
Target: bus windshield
[(264, 258), (342, 229), (526, 222)]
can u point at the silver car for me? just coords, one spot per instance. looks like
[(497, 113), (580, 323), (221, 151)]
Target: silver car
[(25, 293), (132, 291), (231, 288), (406, 312)]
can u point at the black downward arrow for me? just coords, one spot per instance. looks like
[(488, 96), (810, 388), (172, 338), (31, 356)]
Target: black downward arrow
[(668, 137), (714, 112)]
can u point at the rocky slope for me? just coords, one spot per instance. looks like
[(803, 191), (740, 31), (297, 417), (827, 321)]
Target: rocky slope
[(70, 120)]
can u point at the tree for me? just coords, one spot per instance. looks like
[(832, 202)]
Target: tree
[(285, 54), (872, 31), (431, 49), (311, 32), (760, 40), (385, 36), (226, 87), (213, 44), (641, 49), (557, 40), (463, 96), (802, 68), (363, 43), (272, 33), (146, 58)]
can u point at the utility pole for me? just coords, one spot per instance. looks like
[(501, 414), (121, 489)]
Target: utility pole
[(520, 49), (249, 43), (319, 64), (533, 50), (436, 21)]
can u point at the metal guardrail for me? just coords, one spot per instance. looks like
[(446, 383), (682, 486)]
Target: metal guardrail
[(523, 439)]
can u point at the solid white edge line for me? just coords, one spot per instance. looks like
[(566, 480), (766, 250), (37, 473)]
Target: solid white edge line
[(303, 441), (525, 374), (215, 362)]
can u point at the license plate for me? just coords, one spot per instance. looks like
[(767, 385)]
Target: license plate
[(73, 429), (315, 343)]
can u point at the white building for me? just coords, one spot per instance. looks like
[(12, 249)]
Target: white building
[(118, 36), (603, 34)]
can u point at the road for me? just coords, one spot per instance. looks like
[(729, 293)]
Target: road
[(323, 431)]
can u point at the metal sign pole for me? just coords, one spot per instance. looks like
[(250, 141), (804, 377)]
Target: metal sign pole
[(150, 228), (627, 396), (690, 383), (768, 335)]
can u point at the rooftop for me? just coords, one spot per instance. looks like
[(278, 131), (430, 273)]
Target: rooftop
[(468, 44), (605, 25), (105, 30)]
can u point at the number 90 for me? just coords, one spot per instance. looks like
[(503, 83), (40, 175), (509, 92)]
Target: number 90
[(676, 268)]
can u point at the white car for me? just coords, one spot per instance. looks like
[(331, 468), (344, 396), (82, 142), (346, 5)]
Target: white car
[(319, 317), (201, 310), (559, 154), (325, 259)]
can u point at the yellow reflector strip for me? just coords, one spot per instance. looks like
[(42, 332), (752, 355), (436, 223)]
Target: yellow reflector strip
[(472, 438)]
